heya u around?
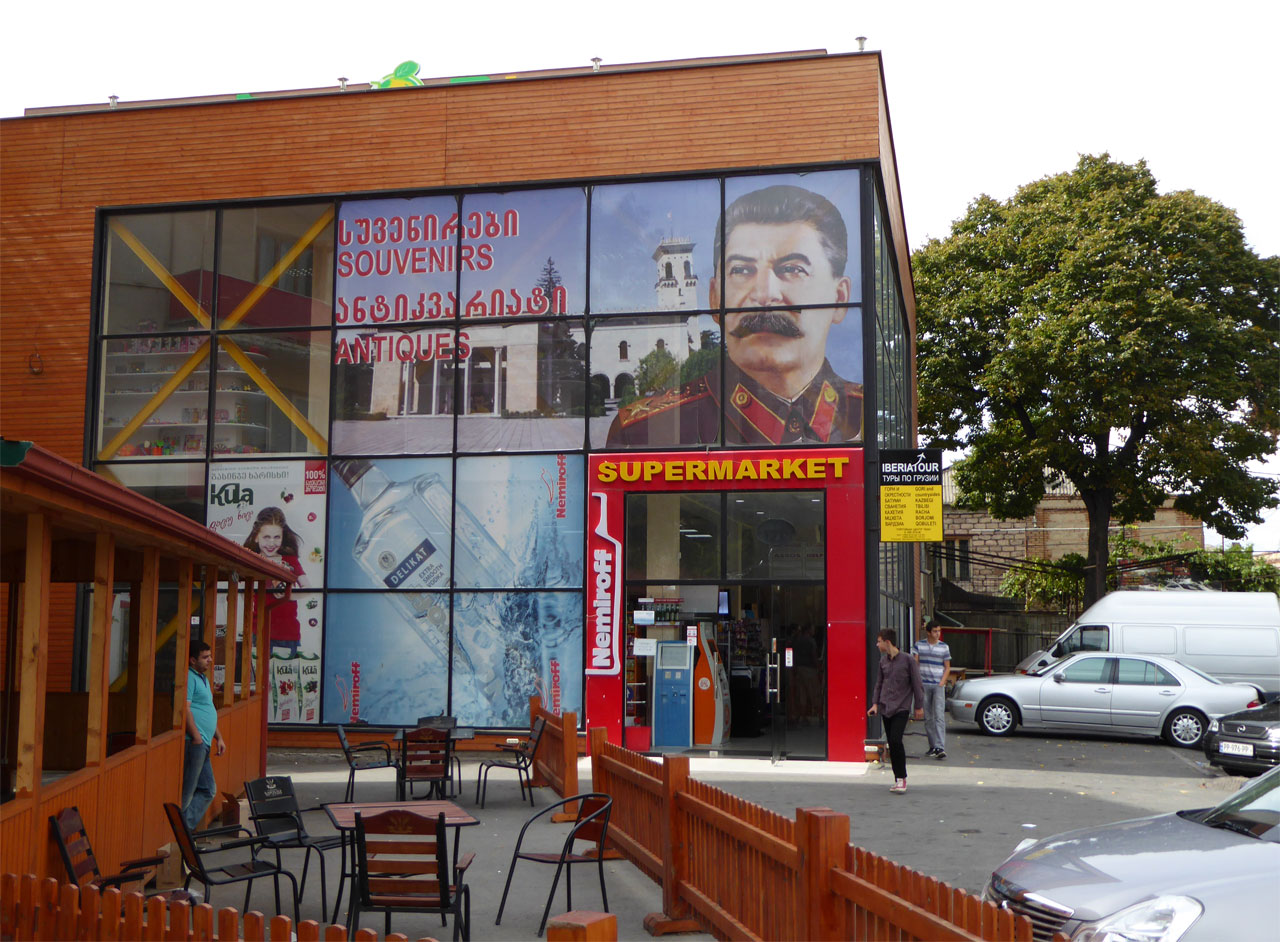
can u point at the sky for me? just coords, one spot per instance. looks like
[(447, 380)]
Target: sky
[(983, 96)]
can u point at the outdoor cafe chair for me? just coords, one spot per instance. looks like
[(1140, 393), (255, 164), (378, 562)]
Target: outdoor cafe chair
[(591, 824), (361, 758), (522, 756), (243, 872), (450, 723), (82, 866), (402, 865), (273, 808), (424, 758)]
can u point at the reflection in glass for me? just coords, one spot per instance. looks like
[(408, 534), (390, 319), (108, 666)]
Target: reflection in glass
[(523, 386), (673, 536), (509, 646), (272, 394), (276, 266), (158, 267), (776, 535), (394, 391), (659, 380), (531, 507), (529, 253), (651, 245), (377, 666), (178, 485)]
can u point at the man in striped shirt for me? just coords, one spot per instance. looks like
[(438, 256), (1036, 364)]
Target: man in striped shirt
[(934, 658)]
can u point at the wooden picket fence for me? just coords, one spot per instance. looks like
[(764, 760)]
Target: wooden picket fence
[(740, 871), (556, 762), (38, 910)]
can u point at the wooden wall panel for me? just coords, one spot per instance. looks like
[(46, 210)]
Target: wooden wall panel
[(163, 783), (122, 815), (16, 835), (81, 790)]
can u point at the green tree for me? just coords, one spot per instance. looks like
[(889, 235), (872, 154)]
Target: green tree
[(1095, 330), (656, 371)]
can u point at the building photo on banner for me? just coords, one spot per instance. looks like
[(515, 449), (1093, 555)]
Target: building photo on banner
[(277, 509), (515, 616)]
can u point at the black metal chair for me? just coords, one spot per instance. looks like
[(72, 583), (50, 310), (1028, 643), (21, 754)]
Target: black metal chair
[(82, 866), (449, 723), (424, 759), (244, 872), (402, 865), (273, 807), (361, 758), (591, 824), (522, 756)]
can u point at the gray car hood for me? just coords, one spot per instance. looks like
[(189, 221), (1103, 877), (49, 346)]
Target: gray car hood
[(1099, 871)]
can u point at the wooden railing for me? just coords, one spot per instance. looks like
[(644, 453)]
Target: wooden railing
[(556, 761), (34, 909), (741, 871)]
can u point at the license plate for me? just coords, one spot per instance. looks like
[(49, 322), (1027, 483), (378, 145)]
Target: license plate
[(1236, 748)]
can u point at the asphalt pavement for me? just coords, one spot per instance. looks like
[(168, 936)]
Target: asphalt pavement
[(959, 819)]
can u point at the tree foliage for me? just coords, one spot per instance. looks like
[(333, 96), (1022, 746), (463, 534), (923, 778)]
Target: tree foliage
[(1094, 330), (656, 371)]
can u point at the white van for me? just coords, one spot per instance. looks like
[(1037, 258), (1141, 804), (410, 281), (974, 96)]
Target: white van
[(1233, 636)]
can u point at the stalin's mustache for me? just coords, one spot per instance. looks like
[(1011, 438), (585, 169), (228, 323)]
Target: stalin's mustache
[(766, 322)]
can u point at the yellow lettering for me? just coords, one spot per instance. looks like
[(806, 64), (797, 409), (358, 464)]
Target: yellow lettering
[(675, 471), (719, 470), (696, 471), (630, 470), (608, 472), (747, 470), (769, 469), (793, 468), (817, 468), (837, 466), (651, 468)]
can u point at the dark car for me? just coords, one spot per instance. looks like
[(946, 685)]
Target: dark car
[(1245, 742)]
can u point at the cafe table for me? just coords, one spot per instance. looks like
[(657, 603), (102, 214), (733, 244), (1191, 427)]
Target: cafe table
[(343, 817)]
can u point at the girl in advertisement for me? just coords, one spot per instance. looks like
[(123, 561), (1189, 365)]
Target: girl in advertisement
[(272, 539)]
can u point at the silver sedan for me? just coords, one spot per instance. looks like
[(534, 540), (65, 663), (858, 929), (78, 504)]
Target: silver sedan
[(1103, 692)]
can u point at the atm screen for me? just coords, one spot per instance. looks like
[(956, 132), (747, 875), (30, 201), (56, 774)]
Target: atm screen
[(673, 656)]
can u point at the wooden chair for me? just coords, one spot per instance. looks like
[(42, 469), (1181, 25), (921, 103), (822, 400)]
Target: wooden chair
[(449, 723), (361, 758), (402, 865), (424, 758), (522, 756), (273, 807), (245, 872), (82, 866), (591, 824)]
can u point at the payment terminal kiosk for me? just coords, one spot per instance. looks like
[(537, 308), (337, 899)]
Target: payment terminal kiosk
[(673, 695)]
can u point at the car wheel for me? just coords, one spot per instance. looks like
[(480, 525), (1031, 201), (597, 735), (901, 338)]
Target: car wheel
[(1185, 727), (997, 716)]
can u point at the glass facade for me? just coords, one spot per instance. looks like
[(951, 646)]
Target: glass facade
[(396, 396)]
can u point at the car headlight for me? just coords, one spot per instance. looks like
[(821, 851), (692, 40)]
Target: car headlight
[(1163, 919), (1213, 726)]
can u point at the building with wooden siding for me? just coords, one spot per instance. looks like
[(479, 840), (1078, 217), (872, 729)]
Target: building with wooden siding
[(354, 330)]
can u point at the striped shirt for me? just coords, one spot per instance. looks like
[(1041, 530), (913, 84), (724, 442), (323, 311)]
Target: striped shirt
[(932, 660)]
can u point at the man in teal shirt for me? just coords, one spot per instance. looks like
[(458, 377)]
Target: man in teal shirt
[(198, 785)]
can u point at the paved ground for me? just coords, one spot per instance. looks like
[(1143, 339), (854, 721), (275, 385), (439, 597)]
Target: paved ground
[(958, 820)]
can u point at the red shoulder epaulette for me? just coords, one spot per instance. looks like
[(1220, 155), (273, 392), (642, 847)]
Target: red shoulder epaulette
[(663, 402)]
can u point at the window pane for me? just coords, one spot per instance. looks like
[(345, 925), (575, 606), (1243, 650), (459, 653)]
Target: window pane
[(386, 657), (272, 394), (177, 485), (155, 397), (1091, 670), (527, 253), (390, 524), (276, 266), (523, 386), (673, 536), (521, 518), (776, 535), (394, 391), (158, 267), (1129, 671), (652, 245), (509, 646), (665, 392)]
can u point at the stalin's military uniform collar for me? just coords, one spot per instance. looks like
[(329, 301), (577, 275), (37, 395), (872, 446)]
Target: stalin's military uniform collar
[(829, 409)]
